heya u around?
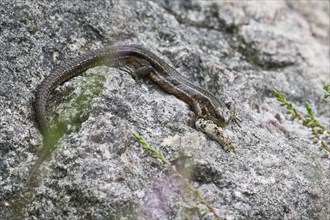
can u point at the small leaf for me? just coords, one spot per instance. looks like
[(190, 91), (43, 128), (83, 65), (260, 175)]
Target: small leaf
[(278, 95), (275, 92), (327, 88), (306, 121), (309, 110)]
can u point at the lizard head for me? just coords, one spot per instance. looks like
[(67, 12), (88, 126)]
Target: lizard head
[(226, 116)]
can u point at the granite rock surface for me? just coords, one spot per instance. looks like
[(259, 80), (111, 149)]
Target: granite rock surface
[(239, 51)]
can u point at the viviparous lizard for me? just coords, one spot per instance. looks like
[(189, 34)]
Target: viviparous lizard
[(205, 105)]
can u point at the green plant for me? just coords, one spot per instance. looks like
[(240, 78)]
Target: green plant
[(327, 90), (185, 182), (320, 135)]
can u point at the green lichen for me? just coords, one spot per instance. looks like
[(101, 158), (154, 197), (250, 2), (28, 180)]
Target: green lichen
[(74, 107)]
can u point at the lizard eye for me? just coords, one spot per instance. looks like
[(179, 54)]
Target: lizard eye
[(220, 115)]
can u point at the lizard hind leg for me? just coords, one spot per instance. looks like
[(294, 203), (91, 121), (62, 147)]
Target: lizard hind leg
[(142, 68), (139, 72), (136, 68), (126, 70), (143, 71)]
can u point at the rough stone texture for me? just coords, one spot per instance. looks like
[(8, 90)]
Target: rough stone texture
[(236, 50)]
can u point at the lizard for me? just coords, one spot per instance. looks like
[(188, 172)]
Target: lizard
[(211, 115)]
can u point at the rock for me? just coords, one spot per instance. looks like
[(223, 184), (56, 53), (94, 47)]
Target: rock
[(236, 50)]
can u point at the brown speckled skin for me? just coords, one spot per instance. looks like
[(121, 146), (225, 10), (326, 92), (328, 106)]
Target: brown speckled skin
[(203, 103)]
